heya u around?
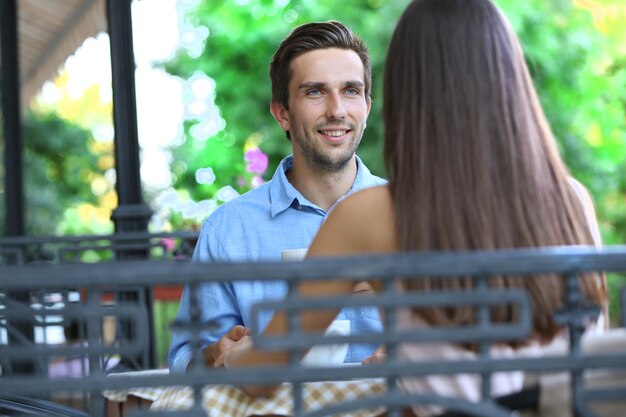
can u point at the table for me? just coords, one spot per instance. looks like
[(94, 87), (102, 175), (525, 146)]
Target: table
[(120, 402), (229, 401)]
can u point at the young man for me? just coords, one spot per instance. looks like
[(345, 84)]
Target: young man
[(321, 81)]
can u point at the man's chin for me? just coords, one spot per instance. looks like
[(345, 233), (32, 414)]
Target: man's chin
[(333, 165)]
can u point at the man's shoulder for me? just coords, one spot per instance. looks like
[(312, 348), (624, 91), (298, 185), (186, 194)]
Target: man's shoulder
[(376, 180), (257, 199), (368, 181), (365, 178)]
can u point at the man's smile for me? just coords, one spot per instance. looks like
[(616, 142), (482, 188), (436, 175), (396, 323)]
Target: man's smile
[(335, 134)]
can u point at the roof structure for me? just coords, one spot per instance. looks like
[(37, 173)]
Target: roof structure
[(49, 31)]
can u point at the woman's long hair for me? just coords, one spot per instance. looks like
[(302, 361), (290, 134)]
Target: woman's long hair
[(470, 156)]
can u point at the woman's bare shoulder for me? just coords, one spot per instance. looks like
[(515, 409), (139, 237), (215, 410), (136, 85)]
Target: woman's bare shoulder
[(364, 205), (379, 196), (364, 222)]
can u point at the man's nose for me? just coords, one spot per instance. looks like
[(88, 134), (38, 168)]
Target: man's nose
[(335, 107)]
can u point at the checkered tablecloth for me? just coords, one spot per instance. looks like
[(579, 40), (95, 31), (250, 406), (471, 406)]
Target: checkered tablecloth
[(228, 401), (146, 393)]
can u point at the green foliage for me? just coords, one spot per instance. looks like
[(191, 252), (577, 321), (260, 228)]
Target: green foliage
[(58, 167), (164, 314)]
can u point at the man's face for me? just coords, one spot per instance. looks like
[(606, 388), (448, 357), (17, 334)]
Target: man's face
[(327, 108)]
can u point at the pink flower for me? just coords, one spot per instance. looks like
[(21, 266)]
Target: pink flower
[(257, 161), (168, 243)]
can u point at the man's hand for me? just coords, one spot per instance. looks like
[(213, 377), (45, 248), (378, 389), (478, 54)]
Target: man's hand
[(363, 287), (234, 354), (379, 356), (214, 351), (237, 348)]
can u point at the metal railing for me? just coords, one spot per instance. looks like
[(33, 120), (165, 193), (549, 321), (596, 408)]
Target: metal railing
[(102, 279), (105, 248), (95, 248)]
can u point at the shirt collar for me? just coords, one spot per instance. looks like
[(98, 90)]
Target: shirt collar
[(283, 195)]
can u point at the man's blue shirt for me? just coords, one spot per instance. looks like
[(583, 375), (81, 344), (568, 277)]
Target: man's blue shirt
[(258, 226)]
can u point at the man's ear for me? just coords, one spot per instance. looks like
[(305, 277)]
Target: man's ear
[(369, 104), (281, 114)]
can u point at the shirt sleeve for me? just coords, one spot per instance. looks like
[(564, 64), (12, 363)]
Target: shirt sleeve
[(217, 304)]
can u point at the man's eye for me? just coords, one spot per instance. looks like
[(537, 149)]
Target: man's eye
[(352, 91), (313, 92)]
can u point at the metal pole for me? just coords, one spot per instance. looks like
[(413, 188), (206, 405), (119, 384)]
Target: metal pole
[(13, 159), (132, 214), (13, 146)]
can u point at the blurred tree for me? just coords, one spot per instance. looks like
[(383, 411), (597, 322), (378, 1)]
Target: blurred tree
[(60, 164)]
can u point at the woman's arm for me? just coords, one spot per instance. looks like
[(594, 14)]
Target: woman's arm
[(338, 235), (346, 231)]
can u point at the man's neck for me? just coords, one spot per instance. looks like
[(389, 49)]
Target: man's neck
[(322, 189)]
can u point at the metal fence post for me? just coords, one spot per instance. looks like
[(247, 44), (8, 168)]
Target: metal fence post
[(132, 214)]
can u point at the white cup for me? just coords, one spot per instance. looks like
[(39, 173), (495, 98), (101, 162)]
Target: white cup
[(293, 254), (322, 355), (329, 355)]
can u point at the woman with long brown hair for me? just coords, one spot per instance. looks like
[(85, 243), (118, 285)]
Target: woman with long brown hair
[(472, 165), (471, 160)]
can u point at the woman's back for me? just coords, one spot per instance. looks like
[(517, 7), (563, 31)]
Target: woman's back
[(365, 223), (471, 160), (472, 165)]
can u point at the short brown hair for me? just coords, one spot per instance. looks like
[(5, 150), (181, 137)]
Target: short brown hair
[(310, 37)]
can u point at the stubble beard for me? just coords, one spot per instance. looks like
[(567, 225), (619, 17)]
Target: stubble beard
[(322, 162)]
